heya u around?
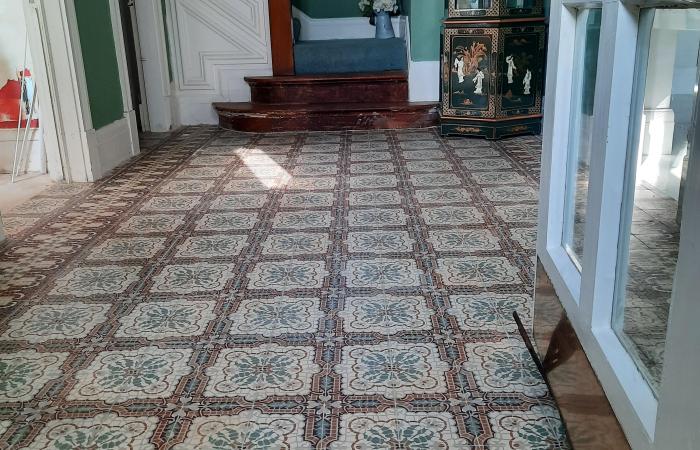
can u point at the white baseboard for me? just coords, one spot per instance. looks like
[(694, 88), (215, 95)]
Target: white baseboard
[(112, 145), (33, 155), (198, 109), (424, 81), (133, 132), (341, 27)]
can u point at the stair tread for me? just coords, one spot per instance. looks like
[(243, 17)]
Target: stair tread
[(269, 117), (318, 107)]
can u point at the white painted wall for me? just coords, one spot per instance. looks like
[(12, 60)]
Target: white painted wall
[(34, 154), (423, 76), (341, 27), (12, 32)]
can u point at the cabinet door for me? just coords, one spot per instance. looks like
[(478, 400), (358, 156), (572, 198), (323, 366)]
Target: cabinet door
[(468, 83), (520, 70)]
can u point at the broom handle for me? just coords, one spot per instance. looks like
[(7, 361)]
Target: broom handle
[(26, 129), (19, 115)]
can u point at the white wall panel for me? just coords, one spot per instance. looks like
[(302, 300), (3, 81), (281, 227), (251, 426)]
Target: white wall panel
[(214, 44)]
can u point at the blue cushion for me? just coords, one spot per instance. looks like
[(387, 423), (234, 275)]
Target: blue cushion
[(349, 55)]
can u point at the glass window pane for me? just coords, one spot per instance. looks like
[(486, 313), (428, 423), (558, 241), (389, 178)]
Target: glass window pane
[(580, 130), (652, 210), (472, 4), (519, 4)]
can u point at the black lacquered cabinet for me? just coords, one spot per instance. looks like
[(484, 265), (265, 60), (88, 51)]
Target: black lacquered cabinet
[(492, 68)]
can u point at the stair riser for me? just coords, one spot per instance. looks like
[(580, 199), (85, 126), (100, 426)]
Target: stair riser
[(340, 92), (336, 121)]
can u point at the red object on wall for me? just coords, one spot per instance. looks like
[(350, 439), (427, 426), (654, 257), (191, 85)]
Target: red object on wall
[(9, 105)]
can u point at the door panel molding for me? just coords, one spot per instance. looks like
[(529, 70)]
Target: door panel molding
[(214, 45)]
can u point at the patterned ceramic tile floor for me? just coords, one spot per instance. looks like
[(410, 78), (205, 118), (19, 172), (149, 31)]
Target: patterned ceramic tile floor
[(288, 291)]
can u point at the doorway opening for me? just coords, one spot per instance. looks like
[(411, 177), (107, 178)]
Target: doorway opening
[(24, 168)]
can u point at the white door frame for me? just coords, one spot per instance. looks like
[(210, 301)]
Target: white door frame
[(677, 425), (124, 80), (57, 82), (154, 59), (588, 295), (82, 153)]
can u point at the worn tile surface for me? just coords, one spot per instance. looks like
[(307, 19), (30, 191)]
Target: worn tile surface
[(307, 290)]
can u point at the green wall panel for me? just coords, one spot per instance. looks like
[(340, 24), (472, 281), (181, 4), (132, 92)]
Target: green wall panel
[(320, 9), (425, 18), (100, 61)]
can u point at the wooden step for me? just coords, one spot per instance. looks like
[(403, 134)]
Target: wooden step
[(379, 87), (326, 116)]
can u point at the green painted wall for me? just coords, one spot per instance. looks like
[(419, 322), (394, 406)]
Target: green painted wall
[(100, 61), (321, 9), (425, 19)]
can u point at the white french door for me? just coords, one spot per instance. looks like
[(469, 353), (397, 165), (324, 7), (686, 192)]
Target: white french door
[(619, 226)]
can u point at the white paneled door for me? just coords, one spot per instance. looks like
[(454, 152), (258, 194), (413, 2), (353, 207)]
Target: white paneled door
[(214, 44)]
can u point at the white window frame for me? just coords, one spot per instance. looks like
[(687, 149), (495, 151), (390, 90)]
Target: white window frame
[(588, 295)]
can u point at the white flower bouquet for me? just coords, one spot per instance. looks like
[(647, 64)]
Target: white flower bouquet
[(369, 6)]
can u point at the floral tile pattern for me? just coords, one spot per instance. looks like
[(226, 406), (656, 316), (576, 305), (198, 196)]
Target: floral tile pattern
[(463, 240), (143, 224), (25, 373), (392, 369), (296, 244), (171, 203), (127, 248), (376, 218), (185, 279), (452, 215), (386, 314), (158, 320), (503, 366), (117, 376), (63, 321), (540, 429), (227, 222), (239, 201), (102, 280), (249, 429), (211, 246), (286, 275), (379, 242), (490, 311), (398, 428), (103, 432), (382, 273), (268, 369), (373, 198), (279, 291), (276, 316), (477, 271)]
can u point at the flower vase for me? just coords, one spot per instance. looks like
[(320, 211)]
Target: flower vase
[(384, 28)]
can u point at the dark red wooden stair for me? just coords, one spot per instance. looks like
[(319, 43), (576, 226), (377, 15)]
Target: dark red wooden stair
[(327, 103)]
